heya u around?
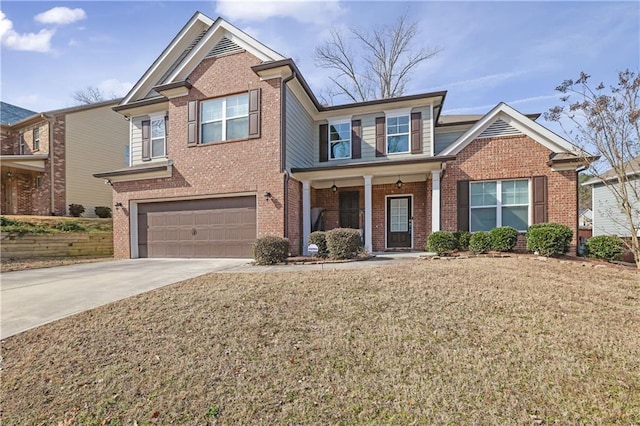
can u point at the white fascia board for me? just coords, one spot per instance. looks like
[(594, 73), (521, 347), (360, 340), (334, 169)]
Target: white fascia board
[(340, 120), (198, 17)]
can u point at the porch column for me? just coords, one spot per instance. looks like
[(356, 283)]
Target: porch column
[(306, 216), (368, 227), (435, 200)]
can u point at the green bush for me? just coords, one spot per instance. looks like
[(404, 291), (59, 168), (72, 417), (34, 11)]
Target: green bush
[(319, 238), (503, 238), (69, 226), (549, 239), (21, 228), (605, 247), (76, 210), (480, 242), (441, 242), (343, 243), (462, 240), (5, 221), (270, 250), (102, 211)]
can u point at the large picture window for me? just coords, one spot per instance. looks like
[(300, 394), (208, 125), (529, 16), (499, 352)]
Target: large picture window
[(339, 141), (499, 203), (398, 134), (224, 119)]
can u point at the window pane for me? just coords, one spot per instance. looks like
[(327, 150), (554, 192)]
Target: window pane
[(211, 110), (212, 132), (515, 192), (399, 215), (237, 106), (483, 194), (397, 143), (340, 132), (518, 217), (340, 149), (238, 128), (157, 128), (483, 219), (403, 124), (157, 147)]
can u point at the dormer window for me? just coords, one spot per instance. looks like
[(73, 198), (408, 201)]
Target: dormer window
[(224, 119), (398, 134), (340, 140)]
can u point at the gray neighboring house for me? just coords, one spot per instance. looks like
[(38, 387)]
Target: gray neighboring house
[(608, 218)]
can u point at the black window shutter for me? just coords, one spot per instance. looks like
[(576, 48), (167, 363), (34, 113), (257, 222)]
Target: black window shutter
[(356, 139), (324, 142), (146, 140), (380, 136), (416, 133), (540, 199), (463, 205), (254, 113), (192, 123)]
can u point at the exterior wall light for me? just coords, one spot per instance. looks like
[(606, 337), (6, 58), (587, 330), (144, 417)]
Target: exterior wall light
[(399, 184), (334, 188), (118, 205), (267, 196)]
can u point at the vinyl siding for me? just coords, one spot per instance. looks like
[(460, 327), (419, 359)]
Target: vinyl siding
[(445, 136), (608, 218), (300, 133), (95, 142), (136, 139)]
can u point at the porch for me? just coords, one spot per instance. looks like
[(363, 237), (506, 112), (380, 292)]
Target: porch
[(22, 184)]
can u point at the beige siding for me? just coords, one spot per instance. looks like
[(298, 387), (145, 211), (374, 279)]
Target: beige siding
[(95, 142), (136, 139), (300, 130)]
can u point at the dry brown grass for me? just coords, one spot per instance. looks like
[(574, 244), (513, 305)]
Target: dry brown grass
[(10, 264), (474, 341)]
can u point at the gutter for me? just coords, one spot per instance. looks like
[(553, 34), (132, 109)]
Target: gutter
[(283, 147)]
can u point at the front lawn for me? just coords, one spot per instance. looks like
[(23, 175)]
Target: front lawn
[(471, 341)]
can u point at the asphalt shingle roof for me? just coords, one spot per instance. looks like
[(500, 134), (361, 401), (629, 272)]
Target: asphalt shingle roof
[(10, 114)]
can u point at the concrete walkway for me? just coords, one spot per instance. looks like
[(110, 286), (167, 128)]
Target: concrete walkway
[(35, 297)]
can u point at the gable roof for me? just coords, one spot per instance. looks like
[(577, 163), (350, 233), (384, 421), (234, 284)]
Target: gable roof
[(201, 37), (503, 115), (11, 114), (632, 166)]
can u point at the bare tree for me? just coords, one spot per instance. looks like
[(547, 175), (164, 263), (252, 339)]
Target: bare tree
[(371, 65), (608, 121), (89, 95)]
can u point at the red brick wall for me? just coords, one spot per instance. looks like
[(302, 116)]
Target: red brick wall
[(294, 216), (243, 166)]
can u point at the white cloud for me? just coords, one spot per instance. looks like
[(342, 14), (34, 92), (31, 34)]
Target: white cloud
[(486, 81), (60, 16), (115, 87), (485, 108), (32, 42), (306, 11)]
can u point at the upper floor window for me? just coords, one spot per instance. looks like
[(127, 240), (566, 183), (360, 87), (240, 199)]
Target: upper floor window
[(21, 145), (36, 139), (339, 140), (499, 203), (158, 137), (398, 134), (224, 119)]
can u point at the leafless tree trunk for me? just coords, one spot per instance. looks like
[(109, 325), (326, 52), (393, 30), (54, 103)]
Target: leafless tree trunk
[(373, 64), (608, 121)]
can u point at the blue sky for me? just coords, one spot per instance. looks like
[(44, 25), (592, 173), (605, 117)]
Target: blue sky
[(516, 52)]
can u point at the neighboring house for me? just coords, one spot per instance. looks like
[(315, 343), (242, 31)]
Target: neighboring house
[(229, 144), (608, 217), (47, 160), (585, 218)]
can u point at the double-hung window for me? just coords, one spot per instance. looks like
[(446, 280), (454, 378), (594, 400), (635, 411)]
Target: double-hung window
[(158, 137), (339, 140), (398, 134), (499, 203), (224, 119), (21, 145), (36, 139)]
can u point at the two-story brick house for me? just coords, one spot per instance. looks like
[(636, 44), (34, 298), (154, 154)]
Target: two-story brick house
[(228, 144)]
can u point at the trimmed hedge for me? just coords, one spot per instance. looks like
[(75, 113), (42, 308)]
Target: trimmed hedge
[(76, 210), (503, 238), (103, 211), (319, 238), (441, 242), (549, 239), (605, 247), (270, 250), (343, 243), (480, 242), (462, 240)]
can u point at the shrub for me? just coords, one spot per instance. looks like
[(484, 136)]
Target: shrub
[(462, 240), (270, 250), (343, 243), (503, 238), (76, 210), (549, 239), (102, 211), (480, 242), (5, 221), (319, 238), (69, 226), (441, 242), (605, 247), (21, 228)]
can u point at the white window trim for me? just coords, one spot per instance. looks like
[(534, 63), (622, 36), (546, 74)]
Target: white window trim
[(387, 134), (151, 138), (335, 122), (499, 204), (224, 118)]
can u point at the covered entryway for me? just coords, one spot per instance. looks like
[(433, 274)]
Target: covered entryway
[(216, 227), (399, 222)]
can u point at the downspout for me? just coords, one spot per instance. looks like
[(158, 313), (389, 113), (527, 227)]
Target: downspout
[(283, 148), (52, 204), (578, 170)]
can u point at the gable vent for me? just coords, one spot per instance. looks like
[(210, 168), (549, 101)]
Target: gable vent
[(499, 128), (224, 47)]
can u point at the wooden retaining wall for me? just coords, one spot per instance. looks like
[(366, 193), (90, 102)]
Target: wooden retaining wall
[(56, 245)]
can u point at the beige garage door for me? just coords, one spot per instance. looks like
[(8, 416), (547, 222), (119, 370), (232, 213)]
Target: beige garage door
[(218, 227)]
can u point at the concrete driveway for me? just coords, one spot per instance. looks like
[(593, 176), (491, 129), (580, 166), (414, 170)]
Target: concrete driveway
[(35, 297)]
